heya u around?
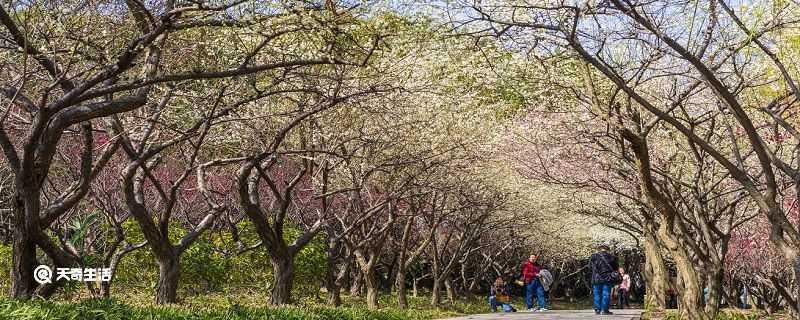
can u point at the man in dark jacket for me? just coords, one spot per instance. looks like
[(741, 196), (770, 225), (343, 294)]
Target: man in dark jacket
[(603, 264)]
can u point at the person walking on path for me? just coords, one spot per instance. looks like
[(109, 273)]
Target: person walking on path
[(532, 283), (624, 287), (604, 277)]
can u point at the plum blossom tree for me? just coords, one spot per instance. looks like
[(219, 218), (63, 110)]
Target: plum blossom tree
[(107, 60)]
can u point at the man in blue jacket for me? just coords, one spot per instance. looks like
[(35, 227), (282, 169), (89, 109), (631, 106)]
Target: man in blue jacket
[(603, 265)]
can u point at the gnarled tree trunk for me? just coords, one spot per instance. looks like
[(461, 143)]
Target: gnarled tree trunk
[(24, 245), (436, 292), (23, 256), (400, 282), (714, 284), (691, 294), (334, 299), (372, 288), (283, 273), (355, 287), (169, 272), (655, 274)]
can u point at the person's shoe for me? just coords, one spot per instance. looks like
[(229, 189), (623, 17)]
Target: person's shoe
[(597, 312), (543, 309), (530, 310), (607, 313)]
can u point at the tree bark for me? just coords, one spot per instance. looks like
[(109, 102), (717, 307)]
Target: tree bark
[(24, 261), (168, 276), (24, 248), (400, 282), (436, 297), (283, 273), (415, 292), (670, 230), (393, 271), (334, 299), (407, 258), (372, 288), (714, 283), (692, 293), (796, 310), (355, 288), (451, 292), (655, 274)]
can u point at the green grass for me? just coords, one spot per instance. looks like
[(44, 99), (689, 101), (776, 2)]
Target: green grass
[(114, 310), (208, 307), (242, 305)]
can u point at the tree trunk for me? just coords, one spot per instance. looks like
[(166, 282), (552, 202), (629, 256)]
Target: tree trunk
[(436, 297), (372, 288), (714, 281), (168, 276), (669, 231), (415, 292), (692, 293), (451, 292), (355, 288), (334, 299), (655, 274), (283, 274), (24, 261), (473, 288), (796, 310), (400, 282), (394, 268), (23, 250), (344, 277), (105, 289)]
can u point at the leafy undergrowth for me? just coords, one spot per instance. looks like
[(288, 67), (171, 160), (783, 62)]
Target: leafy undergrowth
[(113, 310), (218, 306), (133, 305)]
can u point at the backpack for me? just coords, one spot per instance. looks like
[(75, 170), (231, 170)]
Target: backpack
[(546, 279)]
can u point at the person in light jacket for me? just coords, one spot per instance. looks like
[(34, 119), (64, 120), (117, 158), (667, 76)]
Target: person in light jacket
[(624, 287)]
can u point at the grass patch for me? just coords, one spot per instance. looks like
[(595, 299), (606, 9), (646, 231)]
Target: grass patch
[(114, 310), (237, 306)]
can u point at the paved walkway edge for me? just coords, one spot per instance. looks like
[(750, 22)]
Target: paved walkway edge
[(626, 314)]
